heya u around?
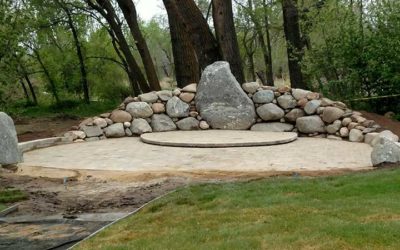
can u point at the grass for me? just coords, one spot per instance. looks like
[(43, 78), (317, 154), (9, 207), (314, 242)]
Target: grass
[(345, 212), (9, 196), (66, 108)]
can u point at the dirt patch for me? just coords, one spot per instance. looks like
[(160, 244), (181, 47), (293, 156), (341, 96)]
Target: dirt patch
[(85, 194), (384, 122), (89, 191), (29, 129)]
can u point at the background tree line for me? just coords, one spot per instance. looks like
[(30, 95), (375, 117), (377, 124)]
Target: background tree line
[(69, 51)]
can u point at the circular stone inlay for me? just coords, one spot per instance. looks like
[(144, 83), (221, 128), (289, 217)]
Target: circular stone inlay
[(218, 138)]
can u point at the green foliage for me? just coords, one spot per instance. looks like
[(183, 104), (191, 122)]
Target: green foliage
[(65, 108), (351, 212), (157, 37), (356, 54), (37, 30), (352, 51), (107, 78)]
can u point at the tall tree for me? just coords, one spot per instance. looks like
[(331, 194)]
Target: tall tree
[(106, 9), (25, 75), (266, 50), (226, 36), (293, 41), (117, 48), (268, 39), (129, 11), (78, 47), (250, 47), (203, 41), (185, 60), (28, 100), (46, 72)]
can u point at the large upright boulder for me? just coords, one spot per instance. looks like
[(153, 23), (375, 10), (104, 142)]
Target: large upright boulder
[(9, 152), (221, 101)]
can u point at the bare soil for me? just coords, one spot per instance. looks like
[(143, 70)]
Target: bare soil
[(29, 129), (384, 122), (83, 194)]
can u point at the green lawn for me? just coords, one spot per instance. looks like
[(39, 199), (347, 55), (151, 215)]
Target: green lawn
[(345, 212), (9, 196)]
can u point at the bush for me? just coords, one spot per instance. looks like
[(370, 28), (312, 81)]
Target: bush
[(352, 61)]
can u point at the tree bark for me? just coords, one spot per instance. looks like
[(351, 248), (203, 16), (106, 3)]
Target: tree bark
[(269, 47), (294, 42), (106, 9), (185, 60), (28, 81), (226, 36), (31, 89), (28, 100), (203, 40), (78, 46), (129, 11)]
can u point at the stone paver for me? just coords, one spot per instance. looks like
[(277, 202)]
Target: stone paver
[(218, 138), (130, 154)]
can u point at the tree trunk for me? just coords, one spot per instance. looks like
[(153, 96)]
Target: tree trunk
[(31, 89), (106, 9), (203, 40), (28, 81), (131, 76), (28, 100), (293, 41), (48, 76), (226, 36), (261, 40), (186, 64), (129, 11), (269, 47), (249, 47), (82, 66), (252, 67)]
